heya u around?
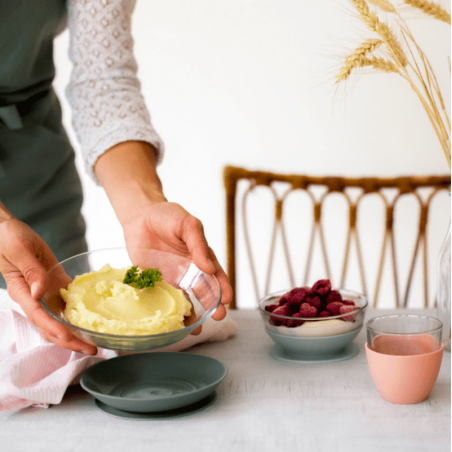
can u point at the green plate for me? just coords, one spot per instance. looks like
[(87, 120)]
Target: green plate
[(153, 382), (188, 410)]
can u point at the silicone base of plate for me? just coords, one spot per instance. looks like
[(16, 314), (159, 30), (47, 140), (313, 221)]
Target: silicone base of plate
[(348, 352), (160, 415)]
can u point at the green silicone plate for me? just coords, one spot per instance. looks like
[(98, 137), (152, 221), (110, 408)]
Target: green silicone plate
[(188, 410), (153, 382)]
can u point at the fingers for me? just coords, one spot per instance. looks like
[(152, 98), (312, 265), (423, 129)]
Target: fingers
[(220, 313), (37, 314), (226, 289), (54, 331), (203, 256), (197, 331), (43, 321), (193, 236), (24, 262), (25, 254), (74, 344), (19, 291)]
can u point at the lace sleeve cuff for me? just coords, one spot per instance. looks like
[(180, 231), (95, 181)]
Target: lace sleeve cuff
[(104, 91), (119, 135)]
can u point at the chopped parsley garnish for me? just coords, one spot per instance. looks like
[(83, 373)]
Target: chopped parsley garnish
[(147, 278), (131, 275)]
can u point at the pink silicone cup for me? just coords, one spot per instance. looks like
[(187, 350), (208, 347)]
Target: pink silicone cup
[(404, 379)]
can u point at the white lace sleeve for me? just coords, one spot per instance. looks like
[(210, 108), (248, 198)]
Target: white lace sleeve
[(104, 91)]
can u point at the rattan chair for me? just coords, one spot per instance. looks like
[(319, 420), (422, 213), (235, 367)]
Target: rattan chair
[(388, 191)]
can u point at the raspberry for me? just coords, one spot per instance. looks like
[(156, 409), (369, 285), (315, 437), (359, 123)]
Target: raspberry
[(321, 287), (283, 300), (346, 309), (348, 302), (324, 314), (333, 296), (271, 307), (293, 308), (295, 323), (313, 300), (282, 310), (296, 290), (334, 307), (297, 296), (306, 310)]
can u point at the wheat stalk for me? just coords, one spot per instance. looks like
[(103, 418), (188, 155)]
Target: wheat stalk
[(384, 5), (429, 85), (373, 23), (426, 87), (357, 57), (380, 64), (430, 8)]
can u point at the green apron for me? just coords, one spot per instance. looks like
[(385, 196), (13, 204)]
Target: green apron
[(39, 183)]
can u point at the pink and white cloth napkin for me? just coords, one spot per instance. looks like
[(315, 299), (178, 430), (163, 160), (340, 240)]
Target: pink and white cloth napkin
[(36, 372)]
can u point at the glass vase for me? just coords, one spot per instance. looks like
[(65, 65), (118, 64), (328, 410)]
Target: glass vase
[(443, 289)]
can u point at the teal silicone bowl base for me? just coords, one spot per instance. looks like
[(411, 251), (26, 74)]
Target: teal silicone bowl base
[(280, 354), (313, 347)]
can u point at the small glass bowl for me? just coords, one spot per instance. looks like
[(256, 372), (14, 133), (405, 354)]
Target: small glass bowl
[(315, 340), (202, 289)]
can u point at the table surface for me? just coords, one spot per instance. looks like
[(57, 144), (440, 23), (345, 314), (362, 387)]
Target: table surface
[(262, 405)]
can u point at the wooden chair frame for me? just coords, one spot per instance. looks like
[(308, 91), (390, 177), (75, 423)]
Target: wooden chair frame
[(404, 185)]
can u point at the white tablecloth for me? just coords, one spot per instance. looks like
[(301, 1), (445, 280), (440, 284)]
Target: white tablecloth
[(262, 405)]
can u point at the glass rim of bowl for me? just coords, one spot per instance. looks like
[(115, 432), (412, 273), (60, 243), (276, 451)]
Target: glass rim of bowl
[(314, 319), (390, 333), (193, 326)]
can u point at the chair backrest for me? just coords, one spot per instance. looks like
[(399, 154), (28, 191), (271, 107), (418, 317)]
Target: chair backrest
[(317, 192)]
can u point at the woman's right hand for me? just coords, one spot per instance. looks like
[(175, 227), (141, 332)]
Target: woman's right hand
[(25, 260)]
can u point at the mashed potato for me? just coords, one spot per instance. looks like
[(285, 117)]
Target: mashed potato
[(101, 302)]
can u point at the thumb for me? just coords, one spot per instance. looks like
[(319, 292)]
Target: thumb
[(34, 274)]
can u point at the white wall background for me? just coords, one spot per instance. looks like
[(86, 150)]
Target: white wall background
[(251, 83)]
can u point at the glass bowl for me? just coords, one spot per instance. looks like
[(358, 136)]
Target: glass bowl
[(404, 334), (316, 336), (203, 291)]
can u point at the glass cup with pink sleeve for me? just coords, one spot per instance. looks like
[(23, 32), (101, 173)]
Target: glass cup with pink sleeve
[(404, 353)]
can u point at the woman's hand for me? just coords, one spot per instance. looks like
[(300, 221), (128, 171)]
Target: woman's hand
[(24, 262), (169, 227), (128, 174)]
